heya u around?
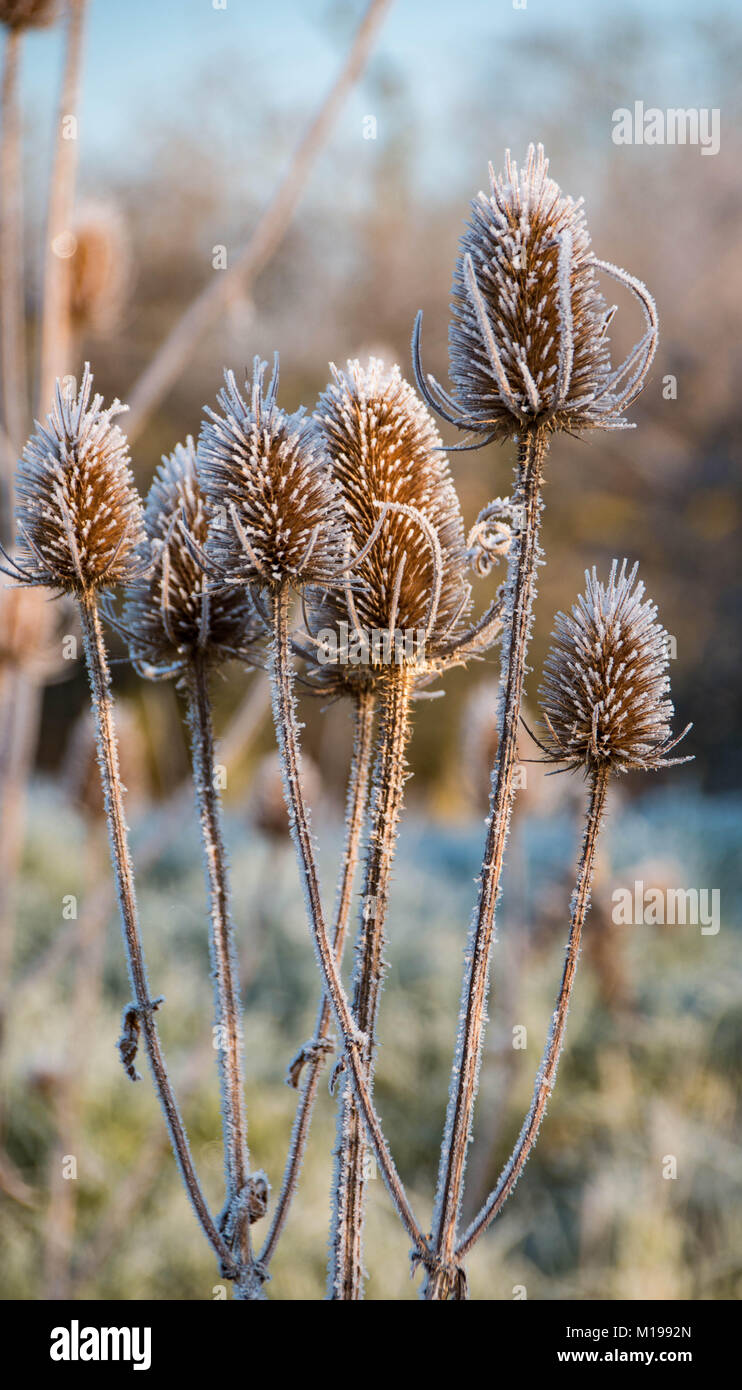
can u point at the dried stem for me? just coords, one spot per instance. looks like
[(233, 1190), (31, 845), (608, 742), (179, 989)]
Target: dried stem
[(55, 319), (550, 1061), (314, 1053), (12, 311), (443, 1280), (346, 1245), (269, 232), (221, 945), (100, 686), (287, 732)]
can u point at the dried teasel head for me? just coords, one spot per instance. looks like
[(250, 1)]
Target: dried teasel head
[(79, 516), (405, 531), (100, 268), (27, 14), (277, 514), (605, 693), (527, 344), (174, 615)]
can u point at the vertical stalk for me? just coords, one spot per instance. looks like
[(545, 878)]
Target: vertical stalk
[(221, 945), (346, 1242), (108, 762), (12, 309), (550, 1061), (442, 1282), (287, 733), (313, 1055), (55, 324)]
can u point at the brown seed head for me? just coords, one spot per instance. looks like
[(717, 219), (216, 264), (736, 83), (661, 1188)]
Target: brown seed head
[(174, 615), (277, 515), (604, 698), (27, 14), (406, 533), (100, 269), (528, 344), (79, 515)]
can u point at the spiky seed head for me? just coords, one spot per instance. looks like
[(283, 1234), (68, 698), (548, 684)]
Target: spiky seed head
[(605, 693), (395, 481), (278, 517), (173, 614), (99, 269), (27, 14), (528, 342), (79, 515)]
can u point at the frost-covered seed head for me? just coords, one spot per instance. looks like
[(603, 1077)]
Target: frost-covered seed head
[(27, 14), (528, 344), (386, 453), (79, 515), (278, 517), (174, 614), (605, 693)]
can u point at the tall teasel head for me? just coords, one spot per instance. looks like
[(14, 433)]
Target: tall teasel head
[(173, 615), (605, 694), (406, 539), (277, 517), (79, 516), (528, 346)]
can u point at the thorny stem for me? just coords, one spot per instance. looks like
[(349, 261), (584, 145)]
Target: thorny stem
[(108, 761), (313, 1054), (550, 1061), (222, 947), (441, 1282), (287, 733), (346, 1268)]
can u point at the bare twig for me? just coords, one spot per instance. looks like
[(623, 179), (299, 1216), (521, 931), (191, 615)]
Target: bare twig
[(271, 228)]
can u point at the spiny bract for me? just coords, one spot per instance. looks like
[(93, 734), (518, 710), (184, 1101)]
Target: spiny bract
[(528, 345), (604, 698), (79, 515), (173, 614), (277, 515)]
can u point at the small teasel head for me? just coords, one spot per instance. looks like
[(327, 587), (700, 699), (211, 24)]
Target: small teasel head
[(605, 695), (79, 516), (174, 614), (277, 517), (406, 541), (528, 346)]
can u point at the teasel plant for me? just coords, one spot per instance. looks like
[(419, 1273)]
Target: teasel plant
[(279, 527), (605, 711), (529, 357), (80, 531), (398, 625), (179, 626)]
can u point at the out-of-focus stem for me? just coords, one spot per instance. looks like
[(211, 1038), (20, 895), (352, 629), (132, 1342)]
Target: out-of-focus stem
[(55, 314), (12, 309), (550, 1061), (442, 1281), (313, 1054), (346, 1245)]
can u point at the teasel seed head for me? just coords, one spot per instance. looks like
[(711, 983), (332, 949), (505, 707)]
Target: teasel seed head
[(79, 516), (27, 14), (277, 515), (100, 269), (605, 694), (174, 615), (406, 533), (528, 346)]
